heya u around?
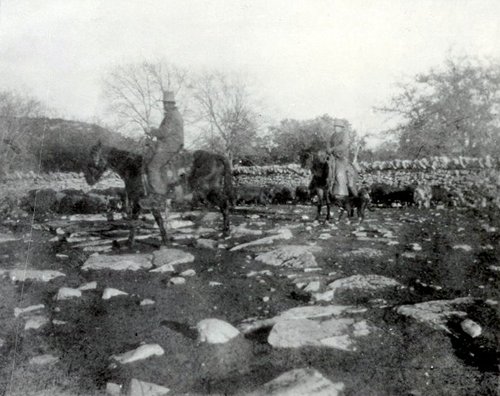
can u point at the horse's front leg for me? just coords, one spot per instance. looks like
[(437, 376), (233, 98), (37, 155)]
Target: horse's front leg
[(133, 223), (319, 194), (161, 225), (327, 201)]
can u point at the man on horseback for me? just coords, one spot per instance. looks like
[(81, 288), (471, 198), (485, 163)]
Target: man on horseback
[(169, 142), (341, 176)]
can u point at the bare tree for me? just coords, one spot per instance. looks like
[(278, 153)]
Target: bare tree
[(134, 94), (226, 113), (15, 110)]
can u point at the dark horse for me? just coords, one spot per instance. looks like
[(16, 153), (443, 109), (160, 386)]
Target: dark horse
[(129, 167), (209, 180), (321, 185)]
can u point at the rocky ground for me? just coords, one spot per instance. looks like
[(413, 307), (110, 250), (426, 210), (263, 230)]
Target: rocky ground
[(404, 304)]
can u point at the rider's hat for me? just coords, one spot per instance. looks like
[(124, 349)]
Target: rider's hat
[(168, 96)]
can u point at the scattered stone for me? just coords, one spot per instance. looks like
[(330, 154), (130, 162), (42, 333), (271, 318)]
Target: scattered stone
[(265, 298), (147, 301), (189, 272), (303, 381), (62, 256), (436, 313), (415, 247), (141, 388), (292, 256), (113, 389), (2, 342), (312, 287), (206, 243), (143, 352), (110, 292), (213, 283), (494, 268), (88, 286), (177, 280), (365, 282), (465, 248), (410, 255), (43, 360), (19, 275), (66, 293), (283, 233), (471, 328), (31, 308), (36, 322), (165, 258), (324, 236), (58, 322), (124, 262), (216, 331)]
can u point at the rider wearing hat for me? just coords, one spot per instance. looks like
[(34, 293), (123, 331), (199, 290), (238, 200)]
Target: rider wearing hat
[(169, 142), (341, 178)]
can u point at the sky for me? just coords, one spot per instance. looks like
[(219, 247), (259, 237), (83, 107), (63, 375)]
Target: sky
[(304, 58)]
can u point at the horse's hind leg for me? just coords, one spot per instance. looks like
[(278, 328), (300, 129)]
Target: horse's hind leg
[(224, 208), (161, 224)]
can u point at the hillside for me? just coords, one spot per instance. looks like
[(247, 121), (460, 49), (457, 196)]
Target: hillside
[(58, 144)]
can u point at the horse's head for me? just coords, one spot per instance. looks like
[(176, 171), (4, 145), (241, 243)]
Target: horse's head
[(306, 158), (96, 165)]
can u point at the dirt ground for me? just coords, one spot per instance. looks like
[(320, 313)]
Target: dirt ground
[(457, 255)]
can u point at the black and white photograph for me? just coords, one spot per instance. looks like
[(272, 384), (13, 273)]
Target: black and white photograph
[(249, 197)]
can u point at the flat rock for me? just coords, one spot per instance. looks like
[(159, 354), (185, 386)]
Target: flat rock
[(291, 256), (165, 258), (175, 224), (206, 243), (437, 312), (87, 217), (465, 248), (113, 389), (283, 234), (216, 331), (471, 328), (188, 273), (36, 322), (88, 286), (19, 275), (66, 293), (31, 308), (303, 382), (143, 352), (337, 333), (365, 282), (141, 388), (366, 252), (123, 262), (7, 237), (242, 230), (42, 360), (110, 293)]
